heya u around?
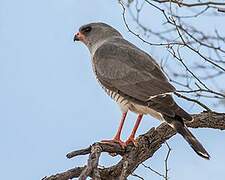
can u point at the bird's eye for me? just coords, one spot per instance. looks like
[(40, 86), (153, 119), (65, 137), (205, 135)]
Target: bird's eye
[(86, 29)]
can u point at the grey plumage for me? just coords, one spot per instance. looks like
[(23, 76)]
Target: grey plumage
[(134, 80), (135, 75)]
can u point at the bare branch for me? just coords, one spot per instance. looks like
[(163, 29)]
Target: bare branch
[(193, 100), (181, 3), (154, 171), (166, 161), (147, 145), (138, 176), (92, 163)]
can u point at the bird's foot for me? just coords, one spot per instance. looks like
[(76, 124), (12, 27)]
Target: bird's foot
[(115, 141), (131, 140)]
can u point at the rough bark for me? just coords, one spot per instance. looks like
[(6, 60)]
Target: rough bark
[(132, 156)]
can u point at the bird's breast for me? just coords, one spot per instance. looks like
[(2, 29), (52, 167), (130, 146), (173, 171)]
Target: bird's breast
[(126, 104)]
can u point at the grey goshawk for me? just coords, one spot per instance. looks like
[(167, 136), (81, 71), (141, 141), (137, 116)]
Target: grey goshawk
[(135, 81)]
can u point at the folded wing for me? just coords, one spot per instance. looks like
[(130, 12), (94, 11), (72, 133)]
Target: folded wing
[(121, 66)]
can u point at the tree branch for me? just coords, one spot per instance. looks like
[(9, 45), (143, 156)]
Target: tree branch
[(181, 3), (133, 156)]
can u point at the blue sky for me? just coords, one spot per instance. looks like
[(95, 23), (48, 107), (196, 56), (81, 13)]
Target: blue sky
[(50, 102)]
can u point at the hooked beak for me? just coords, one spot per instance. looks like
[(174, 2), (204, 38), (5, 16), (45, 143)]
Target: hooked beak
[(79, 37), (76, 37)]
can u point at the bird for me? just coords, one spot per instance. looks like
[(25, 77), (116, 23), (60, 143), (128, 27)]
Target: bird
[(133, 79)]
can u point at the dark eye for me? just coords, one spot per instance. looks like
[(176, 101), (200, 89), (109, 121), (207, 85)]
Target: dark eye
[(86, 29)]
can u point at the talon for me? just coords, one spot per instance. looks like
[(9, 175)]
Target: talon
[(131, 140), (115, 141)]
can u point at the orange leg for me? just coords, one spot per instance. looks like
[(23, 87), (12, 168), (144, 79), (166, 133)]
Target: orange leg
[(116, 138), (132, 135)]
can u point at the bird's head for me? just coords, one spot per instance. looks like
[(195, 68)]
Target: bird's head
[(95, 33)]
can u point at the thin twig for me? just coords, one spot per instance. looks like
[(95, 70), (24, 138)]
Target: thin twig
[(138, 176), (193, 100), (153, 170), (166, 161)]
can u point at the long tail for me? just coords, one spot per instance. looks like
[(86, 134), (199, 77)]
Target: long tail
[(189, 137)]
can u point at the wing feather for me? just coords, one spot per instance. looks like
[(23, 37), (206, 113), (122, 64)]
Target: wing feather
[(122, 66)]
